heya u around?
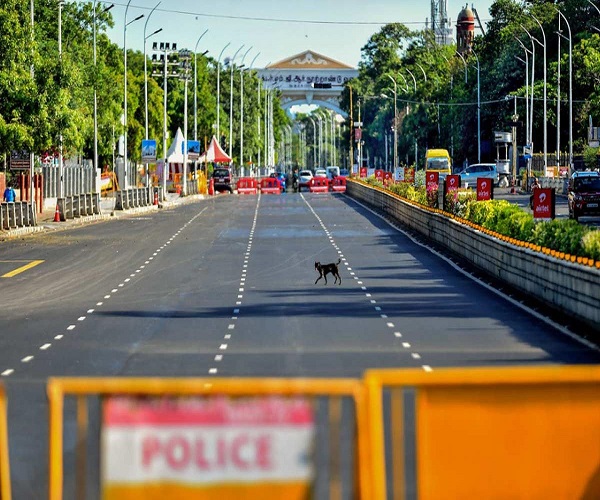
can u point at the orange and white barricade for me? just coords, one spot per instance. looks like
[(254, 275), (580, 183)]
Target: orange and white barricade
[(338, 184), (270, 185), (319, 185), (247, 185)]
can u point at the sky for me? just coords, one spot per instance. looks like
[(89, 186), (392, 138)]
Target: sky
[(270, 30)]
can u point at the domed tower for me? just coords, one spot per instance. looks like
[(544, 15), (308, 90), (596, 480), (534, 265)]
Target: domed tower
[(465, 30)]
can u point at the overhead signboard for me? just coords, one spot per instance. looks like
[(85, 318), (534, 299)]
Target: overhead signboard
[(207, 447)]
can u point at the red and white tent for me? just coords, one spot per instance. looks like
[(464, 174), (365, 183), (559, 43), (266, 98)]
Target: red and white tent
[(214, 153), (175, 154)]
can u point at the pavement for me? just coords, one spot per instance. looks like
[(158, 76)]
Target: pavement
[(46, 223)]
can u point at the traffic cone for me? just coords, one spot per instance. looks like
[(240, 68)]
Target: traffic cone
[(211, 187), (57, 214), (156, 197)]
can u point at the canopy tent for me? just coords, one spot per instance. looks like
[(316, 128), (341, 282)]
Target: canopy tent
[(175, 154), (214, 153)]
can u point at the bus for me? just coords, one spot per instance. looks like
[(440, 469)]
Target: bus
[(438, 160)]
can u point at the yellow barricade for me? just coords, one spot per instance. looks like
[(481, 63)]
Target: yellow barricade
[(240, 389), (4, 463), (530, 432)]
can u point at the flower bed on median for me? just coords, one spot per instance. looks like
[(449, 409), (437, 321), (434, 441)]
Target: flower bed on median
[(566, 239)]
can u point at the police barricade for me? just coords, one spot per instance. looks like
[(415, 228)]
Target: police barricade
[(5, 491), (270, 185), (527, 432), (319, 185), (205, 438), (338, 184), (247, 185)]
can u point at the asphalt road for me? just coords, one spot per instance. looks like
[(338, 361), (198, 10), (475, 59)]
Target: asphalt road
[(225, 287)]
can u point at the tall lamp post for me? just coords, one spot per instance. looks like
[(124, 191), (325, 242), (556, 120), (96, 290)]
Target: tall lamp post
[(478, 109), (231, 62), (125, 24), (395, 123), (242, 66), (526, 61), (184, 57), (146, 66), (219, 91), (196, 84), (545, 102), (60, 137), (570, 87), (416, 149), (96, 96), (314, 141)]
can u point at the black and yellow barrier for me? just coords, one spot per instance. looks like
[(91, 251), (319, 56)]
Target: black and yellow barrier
[(4, 463), (529, 432), (133, 405)]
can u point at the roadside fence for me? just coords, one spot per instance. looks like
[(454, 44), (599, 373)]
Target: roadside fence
[(17, 214)]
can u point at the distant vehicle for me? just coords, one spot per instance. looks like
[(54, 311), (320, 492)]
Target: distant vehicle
[(304, 178), (344, 172), (332, 172), (438, 160), (584, 194), (320, 172), (473, 172), (222, 179)]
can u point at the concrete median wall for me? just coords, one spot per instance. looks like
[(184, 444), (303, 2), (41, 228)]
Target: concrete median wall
[(567, 286)]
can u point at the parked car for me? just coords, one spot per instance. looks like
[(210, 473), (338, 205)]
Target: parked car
[(222, 179), (320, 172), (478, 170), (304, 178), (584, 194)]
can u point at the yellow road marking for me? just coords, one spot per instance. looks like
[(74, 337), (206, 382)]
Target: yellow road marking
[(31, 264)]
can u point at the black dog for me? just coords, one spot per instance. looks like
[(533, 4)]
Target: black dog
[(325, 269)]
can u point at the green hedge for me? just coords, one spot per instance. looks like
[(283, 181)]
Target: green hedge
[(508, 219)]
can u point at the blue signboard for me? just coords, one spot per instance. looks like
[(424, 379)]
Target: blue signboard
[(148, 150), (193, 149)]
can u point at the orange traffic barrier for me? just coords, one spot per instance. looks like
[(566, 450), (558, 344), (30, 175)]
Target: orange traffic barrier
[(270, 185), (319, 185), (4, 465), (338, 184), (247, 185)]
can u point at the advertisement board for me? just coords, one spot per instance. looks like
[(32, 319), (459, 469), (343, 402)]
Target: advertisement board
[(148, 150), (207, 447), (363, 172), (432, 181), (544, 204), (485, 189), (399, 174), (193, 150), (451, 184)]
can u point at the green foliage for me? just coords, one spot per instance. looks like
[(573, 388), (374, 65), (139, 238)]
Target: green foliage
[(562, 235), (591, 244)]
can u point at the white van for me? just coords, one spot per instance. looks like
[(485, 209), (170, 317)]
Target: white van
[(332, 172)]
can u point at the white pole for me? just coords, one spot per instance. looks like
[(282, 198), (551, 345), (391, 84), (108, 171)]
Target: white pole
[(146, 66), (196, 86), (231, 103), (219, 92), (545, 102)]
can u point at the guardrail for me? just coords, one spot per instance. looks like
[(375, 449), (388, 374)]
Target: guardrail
[(134, 198), (570, 287), (16, 214), (80, 205), (4, 462)]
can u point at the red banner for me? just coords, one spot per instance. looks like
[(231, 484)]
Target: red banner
[(363, 172), (452, 183)]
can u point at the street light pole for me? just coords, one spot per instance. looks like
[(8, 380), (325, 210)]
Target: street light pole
[(231, 62), (60, 137), (416, 148), (96, 167), (146, 65), (545, 103), (395, 123), (196, 85), (478, 110), (242, 108), (125, 24), (526, 61), (314, 142), (184, 57), (570, 88), (219, 92)]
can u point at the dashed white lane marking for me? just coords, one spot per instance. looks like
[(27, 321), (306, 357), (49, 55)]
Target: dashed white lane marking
[(212, 371), (230, 327), (7, 372), (390, 325), (89, 311), (26, 359), (99, 303), (397, 334), (227, 336), (406, 345), (218, 357), (416, 355), (71, 327), (81, 318), (427, 368), (44, 347), (58, 337)]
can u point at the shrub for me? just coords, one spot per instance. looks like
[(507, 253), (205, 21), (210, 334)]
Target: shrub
[(561, 235), (591, 244)]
